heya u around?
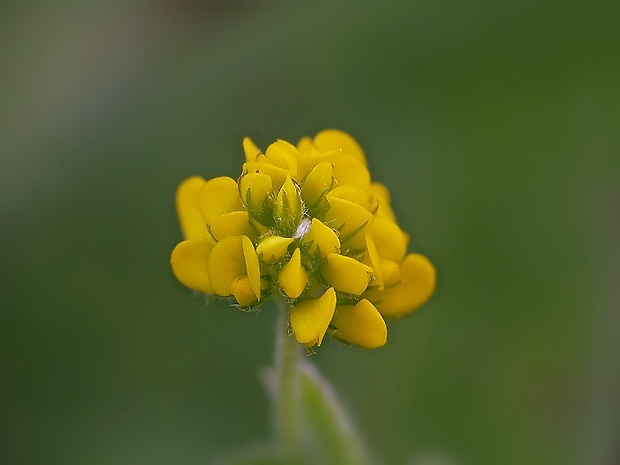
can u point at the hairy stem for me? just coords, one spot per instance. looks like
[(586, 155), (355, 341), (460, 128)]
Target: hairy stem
[(311, 424), (288, 387)]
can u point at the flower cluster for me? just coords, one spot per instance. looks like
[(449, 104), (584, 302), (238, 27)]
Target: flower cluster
[(305, 222)]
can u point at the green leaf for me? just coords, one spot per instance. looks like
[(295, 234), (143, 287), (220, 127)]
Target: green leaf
[(331, 435)]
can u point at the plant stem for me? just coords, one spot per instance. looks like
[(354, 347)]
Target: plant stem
[(288, 385), (311, 425)]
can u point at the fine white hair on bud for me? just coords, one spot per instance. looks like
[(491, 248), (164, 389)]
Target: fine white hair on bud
[(302, 229)]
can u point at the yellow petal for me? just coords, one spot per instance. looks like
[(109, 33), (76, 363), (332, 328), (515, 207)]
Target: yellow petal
[(312, 343), (383, 197), (391, 273), (189, 262), (226, 263), (356, 194), (346, 274), (355, 244), (261, 228), (374, 261), (254, 189), (293, 278), (233, 224), (273, 248), (322, 239), (347, 169), (241, 289), (218, 197), (310, 318), (317, 183), (278, 175), (415, 288), (390, 240), (334, 139), (306, 158), (252, 267), (347, 217), (284, 155), (288, 208), (361, 325), (250, 149), (305, 145), (191, 220)]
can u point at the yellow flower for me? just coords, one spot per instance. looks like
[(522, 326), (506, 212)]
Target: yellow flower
[(307, 223)]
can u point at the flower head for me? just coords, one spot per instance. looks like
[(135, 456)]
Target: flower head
[(305, 222)]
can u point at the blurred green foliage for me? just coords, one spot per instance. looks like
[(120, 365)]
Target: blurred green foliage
[(494, 124)]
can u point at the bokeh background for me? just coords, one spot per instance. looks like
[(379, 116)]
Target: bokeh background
[(496, 127)]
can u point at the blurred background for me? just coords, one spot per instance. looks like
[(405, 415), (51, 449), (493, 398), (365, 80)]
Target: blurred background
[(494, 124)]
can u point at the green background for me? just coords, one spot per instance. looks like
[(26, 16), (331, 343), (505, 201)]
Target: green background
[(495, 126)]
